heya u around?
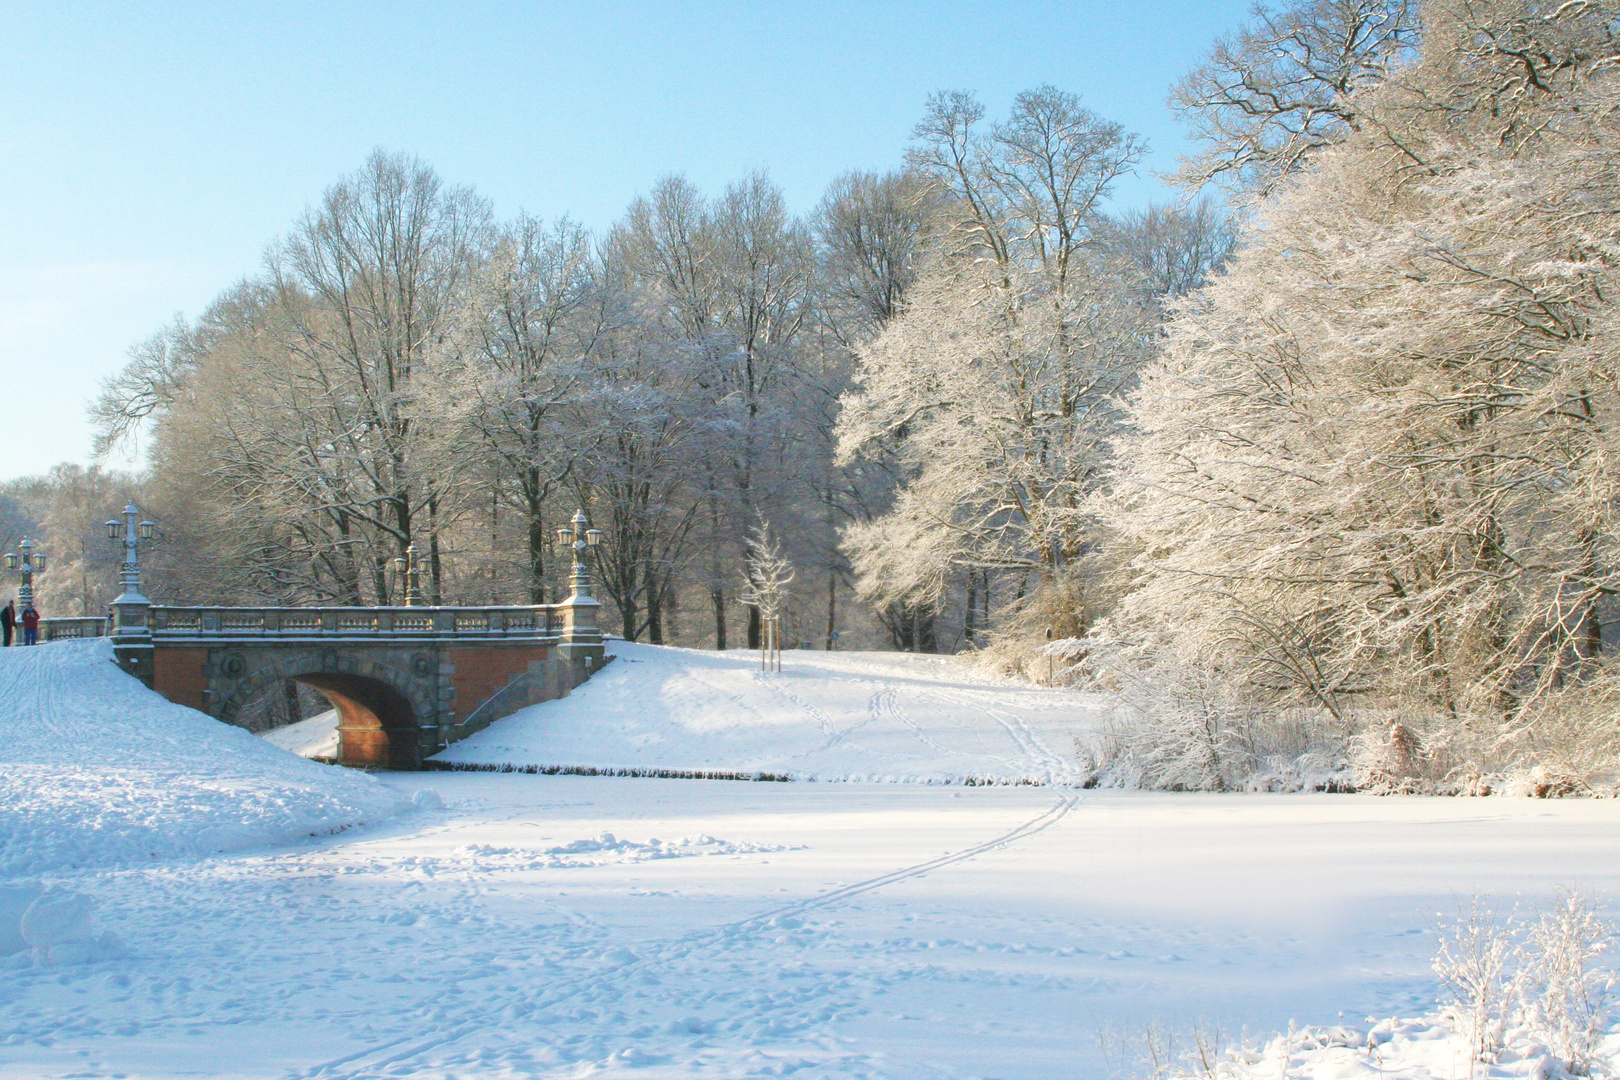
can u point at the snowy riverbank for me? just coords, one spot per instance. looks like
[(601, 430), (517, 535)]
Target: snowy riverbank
[(97, 770), (887, 717)]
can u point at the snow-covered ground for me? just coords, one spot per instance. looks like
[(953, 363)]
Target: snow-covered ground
[(564, 926), (826, 716), (95, 769)]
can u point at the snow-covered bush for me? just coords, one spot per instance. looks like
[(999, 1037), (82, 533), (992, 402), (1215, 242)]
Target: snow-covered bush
[(1565, 990), (1567, 741), (1537, 982), (1181, 725), (1475, 962), (1527, 998)]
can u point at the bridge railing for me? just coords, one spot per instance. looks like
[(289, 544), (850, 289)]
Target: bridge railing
[(536, 621), (531, 621)]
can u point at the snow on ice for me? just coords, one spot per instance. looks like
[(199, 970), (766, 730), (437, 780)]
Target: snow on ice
[(560, 926)]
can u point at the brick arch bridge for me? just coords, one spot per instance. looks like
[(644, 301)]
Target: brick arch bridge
[(406, 681)]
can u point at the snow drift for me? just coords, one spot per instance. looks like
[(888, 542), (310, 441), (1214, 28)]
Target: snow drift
[(95, 769), (896, 717)]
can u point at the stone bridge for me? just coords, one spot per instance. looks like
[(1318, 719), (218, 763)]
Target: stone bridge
[(405, 681)]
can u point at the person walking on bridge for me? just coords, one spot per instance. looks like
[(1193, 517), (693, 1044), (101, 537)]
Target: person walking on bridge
[(30, 621), (8, 622)]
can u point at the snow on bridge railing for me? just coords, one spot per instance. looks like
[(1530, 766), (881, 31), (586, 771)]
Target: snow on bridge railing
[(277, 622)]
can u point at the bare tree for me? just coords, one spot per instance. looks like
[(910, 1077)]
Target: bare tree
[(1175, 249), (872, 232), (505, 388), (367, 286)]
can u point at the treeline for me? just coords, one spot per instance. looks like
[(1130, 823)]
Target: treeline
[(407, 371)]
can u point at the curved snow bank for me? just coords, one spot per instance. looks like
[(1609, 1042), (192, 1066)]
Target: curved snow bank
[(315, 737), (96, 769), (883, 717)]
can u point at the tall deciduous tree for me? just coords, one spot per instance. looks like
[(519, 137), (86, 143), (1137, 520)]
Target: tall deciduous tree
[(366, 288), (997, 385), (509, 382)]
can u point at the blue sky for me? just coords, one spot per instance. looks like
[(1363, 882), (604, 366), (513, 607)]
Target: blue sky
[(149, 152)]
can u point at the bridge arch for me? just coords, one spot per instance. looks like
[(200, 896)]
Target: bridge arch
[(380, 707)]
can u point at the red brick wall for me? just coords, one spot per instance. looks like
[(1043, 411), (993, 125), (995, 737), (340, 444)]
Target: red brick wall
[(177, 674), (481, 673)]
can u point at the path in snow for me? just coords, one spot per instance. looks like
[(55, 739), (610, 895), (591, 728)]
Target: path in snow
[(736, 929), (827, 716)]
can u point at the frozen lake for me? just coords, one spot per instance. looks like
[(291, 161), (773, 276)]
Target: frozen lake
[(824, 929)]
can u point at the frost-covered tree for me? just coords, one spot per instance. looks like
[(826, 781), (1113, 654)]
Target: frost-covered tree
[(1376, 459), (769, 575), (733, 279), (996, 386)]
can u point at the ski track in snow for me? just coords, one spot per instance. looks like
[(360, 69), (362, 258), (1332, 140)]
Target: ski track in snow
[(663, 954), (1034, 755), (886, 704)]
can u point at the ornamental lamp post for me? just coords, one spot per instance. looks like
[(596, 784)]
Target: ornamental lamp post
[(581, 539), (409, 568), (581, 643), (131, 632), (130, 533), (24, 560)]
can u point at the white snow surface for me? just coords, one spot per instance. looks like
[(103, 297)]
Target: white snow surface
[(95, 769), (891, 717), (314, 737)]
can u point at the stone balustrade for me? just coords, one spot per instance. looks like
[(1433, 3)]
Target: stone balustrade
[(69, 628), (209, 623)]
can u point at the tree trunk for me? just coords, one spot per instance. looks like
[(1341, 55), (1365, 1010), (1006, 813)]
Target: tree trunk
[(969, 627), (655, 611), (349, 578), (537, 537), (717, 596), (435, 585), (832, 609)]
